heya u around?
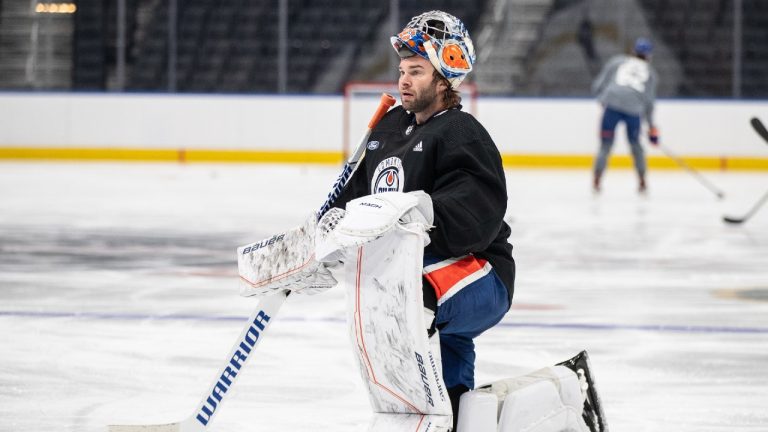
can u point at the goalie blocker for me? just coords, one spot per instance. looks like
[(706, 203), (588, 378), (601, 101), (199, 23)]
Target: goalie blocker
[(286, 261)]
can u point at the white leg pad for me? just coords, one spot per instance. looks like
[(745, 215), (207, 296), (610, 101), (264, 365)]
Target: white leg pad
[(538, 408), (549, 399), (387, 422), (400, 365), (478, 412)]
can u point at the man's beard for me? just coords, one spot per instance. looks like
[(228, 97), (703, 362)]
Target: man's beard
[(422, 100)]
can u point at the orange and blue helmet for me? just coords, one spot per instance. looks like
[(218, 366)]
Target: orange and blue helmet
[(440, 38)]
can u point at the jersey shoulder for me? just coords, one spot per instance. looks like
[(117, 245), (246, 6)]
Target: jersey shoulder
[(393, 119), (462, 126), (620, 58)]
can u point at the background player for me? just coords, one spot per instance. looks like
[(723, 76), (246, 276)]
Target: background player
[(626, 87)]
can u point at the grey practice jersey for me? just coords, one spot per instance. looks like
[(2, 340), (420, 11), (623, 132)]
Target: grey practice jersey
[(627, 84)]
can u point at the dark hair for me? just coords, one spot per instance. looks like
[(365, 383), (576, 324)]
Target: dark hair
[(451, 96)]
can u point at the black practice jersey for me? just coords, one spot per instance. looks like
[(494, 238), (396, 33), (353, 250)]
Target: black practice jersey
[(453, 159)]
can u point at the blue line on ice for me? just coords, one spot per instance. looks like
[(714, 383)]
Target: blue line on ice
[(567, 326)]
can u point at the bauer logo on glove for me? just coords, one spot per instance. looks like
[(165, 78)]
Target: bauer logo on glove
[(284, 261), (266, 242)]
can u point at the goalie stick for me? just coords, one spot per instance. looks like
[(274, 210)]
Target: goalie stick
[(758, 126), (260, 318)]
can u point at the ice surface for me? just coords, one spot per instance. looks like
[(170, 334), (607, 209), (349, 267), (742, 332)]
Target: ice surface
[(118, 298)]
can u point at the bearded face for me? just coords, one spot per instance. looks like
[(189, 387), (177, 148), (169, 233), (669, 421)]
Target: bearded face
[(422, 98), (419, 88)]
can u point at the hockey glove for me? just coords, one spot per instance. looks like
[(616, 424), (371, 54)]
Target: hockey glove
[(423, 213), (285, 261), (371, 217), (653, 136)]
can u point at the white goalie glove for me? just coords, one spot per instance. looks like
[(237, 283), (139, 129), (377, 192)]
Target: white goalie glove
[(285, 261), (370, 217), (298, 259)]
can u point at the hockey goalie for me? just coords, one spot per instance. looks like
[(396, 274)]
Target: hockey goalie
[(380, 241), (419, 229)]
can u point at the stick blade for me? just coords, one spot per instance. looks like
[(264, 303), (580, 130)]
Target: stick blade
[(188, 425), (732, 220), (169, 427)]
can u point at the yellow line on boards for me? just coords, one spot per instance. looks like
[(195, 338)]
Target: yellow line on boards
[(335, 158), (168, 155), (250, 156), (89, 154), (625, 162)]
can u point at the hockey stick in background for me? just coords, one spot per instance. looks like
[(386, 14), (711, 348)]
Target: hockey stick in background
[(712, 188), (758, 126), (753, 210), (260, 319)]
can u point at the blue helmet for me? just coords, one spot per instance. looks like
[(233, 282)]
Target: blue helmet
[(643, 47)]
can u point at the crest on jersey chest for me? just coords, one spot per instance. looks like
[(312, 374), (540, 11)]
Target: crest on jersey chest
[(388, 176)]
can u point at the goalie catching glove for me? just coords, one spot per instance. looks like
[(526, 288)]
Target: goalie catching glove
[(370, 217)]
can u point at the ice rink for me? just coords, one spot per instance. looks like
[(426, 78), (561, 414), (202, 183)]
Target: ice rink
[(119, 298)]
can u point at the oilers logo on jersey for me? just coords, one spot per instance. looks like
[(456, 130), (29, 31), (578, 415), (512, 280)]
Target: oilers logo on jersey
[(388, 176)]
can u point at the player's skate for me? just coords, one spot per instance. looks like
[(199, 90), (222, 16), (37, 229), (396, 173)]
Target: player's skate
[(642, 188), (593, 412), (596, 183)]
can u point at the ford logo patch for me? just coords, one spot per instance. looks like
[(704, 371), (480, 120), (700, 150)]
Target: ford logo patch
[(373, 145)]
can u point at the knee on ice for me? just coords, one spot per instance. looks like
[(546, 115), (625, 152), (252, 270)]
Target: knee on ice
[(549, 399)]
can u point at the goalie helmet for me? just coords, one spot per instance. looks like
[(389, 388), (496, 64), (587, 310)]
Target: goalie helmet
[(440, 38)]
